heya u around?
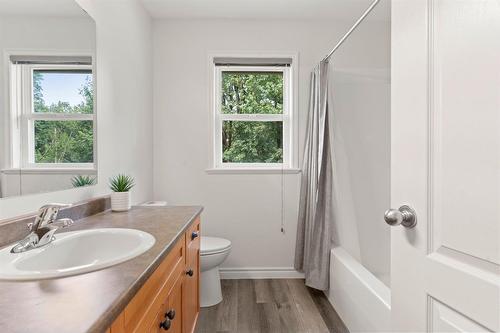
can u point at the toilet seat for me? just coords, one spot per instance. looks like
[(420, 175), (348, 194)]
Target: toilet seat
[(213, 245)]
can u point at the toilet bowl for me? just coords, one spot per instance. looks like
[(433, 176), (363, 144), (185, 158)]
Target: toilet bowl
[(213, 252)]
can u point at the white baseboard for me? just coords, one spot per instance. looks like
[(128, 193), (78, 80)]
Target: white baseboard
[(229, 273)]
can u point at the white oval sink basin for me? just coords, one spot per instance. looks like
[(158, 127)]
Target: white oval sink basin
[(74, 253)]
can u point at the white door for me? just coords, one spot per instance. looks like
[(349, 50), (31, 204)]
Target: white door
[(446, 165)]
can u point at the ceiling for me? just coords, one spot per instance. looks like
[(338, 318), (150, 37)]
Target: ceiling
[(211, 9), (55, 8), (266, 9)]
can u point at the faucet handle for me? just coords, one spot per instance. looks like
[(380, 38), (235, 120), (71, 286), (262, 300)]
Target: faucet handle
[(63, 223), (50, 211), (47, 214)]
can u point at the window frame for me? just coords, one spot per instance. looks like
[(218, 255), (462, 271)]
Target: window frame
[(287, 118), (22, 91)]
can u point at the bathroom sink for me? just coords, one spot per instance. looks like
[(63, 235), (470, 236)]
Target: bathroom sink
[(74, 253)]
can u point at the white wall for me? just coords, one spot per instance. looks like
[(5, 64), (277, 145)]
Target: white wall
[(243, 208), (124, 105)]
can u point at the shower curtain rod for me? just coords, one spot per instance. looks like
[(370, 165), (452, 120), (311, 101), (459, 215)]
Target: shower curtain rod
[(365, 14)]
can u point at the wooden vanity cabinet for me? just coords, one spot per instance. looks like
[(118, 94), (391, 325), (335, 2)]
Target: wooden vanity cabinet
[(169, 300), (191, 290)]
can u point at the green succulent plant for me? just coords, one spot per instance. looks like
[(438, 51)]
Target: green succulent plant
[(83, 180), (121, 183)]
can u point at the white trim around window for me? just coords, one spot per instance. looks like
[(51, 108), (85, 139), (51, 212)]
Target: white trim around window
[(288, 117), (11, 138), (23, 108)]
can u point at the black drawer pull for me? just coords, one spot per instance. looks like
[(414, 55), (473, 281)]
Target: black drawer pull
[(195, 234), (170, 314), (166, 324), (190, 272)]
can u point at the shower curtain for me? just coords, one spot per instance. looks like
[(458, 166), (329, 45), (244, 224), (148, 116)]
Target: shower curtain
[(314, 229)]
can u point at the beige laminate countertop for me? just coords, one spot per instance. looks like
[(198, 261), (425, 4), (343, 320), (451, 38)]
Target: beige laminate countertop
[(91, 302)]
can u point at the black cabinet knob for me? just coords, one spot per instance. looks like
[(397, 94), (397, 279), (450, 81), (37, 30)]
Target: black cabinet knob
[(190, 272), (170, 314), (194, 235), (166, 324)]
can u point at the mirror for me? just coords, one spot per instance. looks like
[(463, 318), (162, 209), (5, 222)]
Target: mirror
[(47, 105)]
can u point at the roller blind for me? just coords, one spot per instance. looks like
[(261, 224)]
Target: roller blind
[(240, 61), (51, 60)]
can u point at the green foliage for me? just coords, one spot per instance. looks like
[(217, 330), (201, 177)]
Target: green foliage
[(38, 102), (247, 92), (86, 91), (253, 141), (83, 180), (63, 141), (121, 183), (252, 93)]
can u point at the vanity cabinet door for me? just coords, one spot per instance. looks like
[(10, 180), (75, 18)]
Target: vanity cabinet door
[(175, 306), (193, 237), (169, 319), (191, 288), (191, 292)]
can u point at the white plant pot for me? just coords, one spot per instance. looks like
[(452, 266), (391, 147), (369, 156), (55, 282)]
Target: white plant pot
[(120, 201)]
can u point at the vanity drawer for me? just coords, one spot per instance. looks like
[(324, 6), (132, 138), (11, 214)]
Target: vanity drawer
[(169, 318), (150, 320), (193, 241), (142, 310)]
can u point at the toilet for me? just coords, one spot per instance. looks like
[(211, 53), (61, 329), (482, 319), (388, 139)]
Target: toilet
[(213, 252)]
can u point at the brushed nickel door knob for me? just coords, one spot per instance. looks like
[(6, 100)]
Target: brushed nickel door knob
[(405, 216)]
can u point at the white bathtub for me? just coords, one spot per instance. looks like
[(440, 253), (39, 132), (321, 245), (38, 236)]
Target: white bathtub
[(361, 299)]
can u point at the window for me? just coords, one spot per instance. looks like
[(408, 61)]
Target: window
[(55, 106), (252, 117)]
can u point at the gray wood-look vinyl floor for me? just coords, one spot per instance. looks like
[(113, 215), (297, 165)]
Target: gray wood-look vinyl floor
[(284, 305)]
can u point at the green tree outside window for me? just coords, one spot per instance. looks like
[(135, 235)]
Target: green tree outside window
[(57, 141), (252, 93)]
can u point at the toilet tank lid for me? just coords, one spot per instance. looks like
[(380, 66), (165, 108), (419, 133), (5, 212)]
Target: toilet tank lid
[(213, 244)]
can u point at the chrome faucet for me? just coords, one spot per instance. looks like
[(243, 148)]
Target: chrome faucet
[(43, 229)]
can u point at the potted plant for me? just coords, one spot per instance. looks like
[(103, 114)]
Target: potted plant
[(120, 197), (83, 180)]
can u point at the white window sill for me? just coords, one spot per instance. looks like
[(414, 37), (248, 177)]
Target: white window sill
[(250, 171)]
